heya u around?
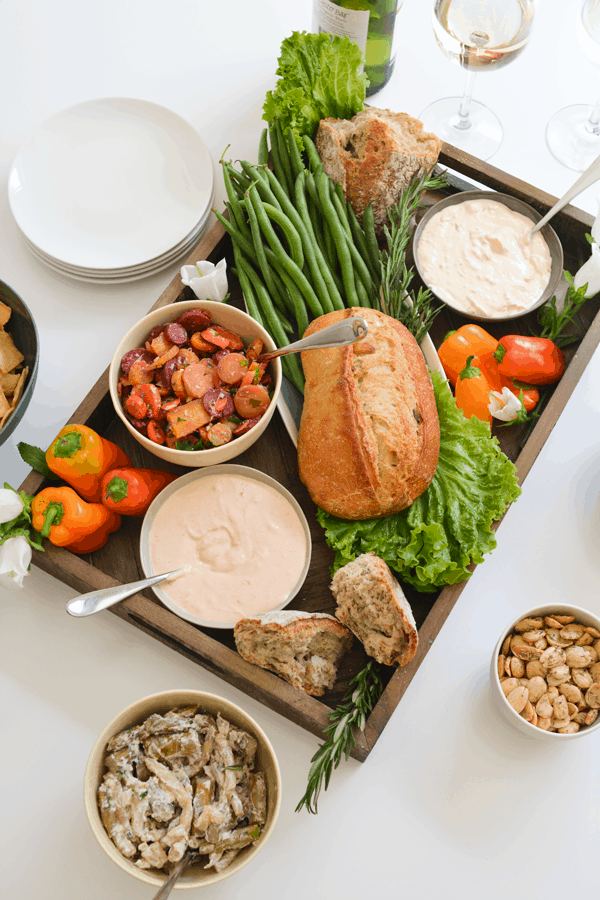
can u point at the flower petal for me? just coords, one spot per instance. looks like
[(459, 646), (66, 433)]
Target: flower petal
[(504, 406), (11, 505), (589, 273), (208, 282), (15, 557)]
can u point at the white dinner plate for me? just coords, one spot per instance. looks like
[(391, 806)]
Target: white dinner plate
[(110, 183)]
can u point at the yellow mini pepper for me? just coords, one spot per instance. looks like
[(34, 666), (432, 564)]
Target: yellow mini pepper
[(81, 457)]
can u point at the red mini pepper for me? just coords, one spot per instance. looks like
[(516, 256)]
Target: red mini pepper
[(130, 491), (59, 514), (81, 457), (533, 360)]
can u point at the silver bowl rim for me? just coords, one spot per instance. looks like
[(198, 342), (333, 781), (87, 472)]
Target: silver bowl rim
[(518, 205)]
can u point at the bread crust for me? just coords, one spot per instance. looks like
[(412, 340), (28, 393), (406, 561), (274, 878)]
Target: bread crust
[(372, 604), (368, 442), (303, 648), (375, 156)]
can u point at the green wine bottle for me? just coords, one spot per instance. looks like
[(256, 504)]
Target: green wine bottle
[(370, 23)]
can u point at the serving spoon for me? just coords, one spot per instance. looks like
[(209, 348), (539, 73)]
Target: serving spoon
[(165, 889), (348, 331), (589, 177), (88, 604)]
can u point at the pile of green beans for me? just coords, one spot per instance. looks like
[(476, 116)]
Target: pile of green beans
[(298, 247)]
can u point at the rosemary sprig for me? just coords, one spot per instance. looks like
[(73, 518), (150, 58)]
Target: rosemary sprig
[(554, 323), (415, 310), (364, 692)]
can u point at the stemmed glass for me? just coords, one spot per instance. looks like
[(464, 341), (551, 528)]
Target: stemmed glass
[(573, 133), (479, 36)]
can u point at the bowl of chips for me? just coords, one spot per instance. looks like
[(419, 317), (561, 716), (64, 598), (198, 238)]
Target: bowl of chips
[(19, 356)]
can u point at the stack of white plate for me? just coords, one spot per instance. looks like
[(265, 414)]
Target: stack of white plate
[(112, 190)]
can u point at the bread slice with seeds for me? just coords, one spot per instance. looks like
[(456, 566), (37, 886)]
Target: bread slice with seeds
[(303, 648), (373, 606)]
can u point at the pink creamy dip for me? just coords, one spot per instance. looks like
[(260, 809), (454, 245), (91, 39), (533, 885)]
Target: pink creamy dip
[(475, 256), (241, 543)]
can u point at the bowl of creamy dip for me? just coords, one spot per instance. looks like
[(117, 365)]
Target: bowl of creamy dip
[(471, 250), (240, 538)]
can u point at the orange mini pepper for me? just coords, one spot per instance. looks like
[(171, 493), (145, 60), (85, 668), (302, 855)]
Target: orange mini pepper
[(81, 457), (130, 491), (59, 514), (477, 379), (469, 340)]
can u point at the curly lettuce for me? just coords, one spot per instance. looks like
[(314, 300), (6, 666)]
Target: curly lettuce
[(318, 78), (447, 528)]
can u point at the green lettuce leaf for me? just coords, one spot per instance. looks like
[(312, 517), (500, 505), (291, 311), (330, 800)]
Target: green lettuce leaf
[(431, 543), (318, 78)]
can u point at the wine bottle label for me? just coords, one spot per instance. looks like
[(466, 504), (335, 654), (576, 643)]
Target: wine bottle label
[(354, 23)]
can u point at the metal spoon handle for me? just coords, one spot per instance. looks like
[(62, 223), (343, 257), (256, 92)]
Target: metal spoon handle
[(348, 331), (164, 891), (589, 177), (87, 604)]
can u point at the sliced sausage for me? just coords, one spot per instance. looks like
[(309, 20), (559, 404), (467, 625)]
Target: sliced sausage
[(246, 425), (194, 320), (218, 403), (176, 333), (132, 356), (251, 400), (198, 378), (232, 367)]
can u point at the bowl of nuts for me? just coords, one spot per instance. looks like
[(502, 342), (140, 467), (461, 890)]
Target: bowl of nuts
[(545, 672)]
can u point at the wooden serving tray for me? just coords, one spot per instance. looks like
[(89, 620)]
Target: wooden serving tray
[(274, 453)]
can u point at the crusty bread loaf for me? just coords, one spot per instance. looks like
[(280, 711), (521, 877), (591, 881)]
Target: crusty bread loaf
[(369, 437), (375, 156), (371, 603), (304, 648)]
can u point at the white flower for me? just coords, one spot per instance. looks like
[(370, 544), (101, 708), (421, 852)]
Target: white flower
[(504, 406), (11, 505), (15, 557), (589, 273), (208, 282)]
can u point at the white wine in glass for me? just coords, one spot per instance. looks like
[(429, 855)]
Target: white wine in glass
[(573, 133), (479, 36)]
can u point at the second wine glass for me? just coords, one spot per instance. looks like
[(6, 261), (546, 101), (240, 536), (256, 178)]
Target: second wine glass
[(479, 36)]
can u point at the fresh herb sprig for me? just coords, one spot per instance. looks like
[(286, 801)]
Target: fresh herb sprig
[(344, 721), (553, 322), (415, 310)]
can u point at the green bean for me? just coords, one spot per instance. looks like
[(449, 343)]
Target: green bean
[(261, 255), (290, 233), (276, 157), (293, 371), (247, 289), (295, 157), (240, 179), (284, 156), (263, 148), (285, 323), (273, 324), (321, 263), (311, 250), (236, 235), (262, 183), (295, 272), (300, 312), (360, 242), (371, 237), (252, 172), (339, 237), (314, 160), (237, 214)]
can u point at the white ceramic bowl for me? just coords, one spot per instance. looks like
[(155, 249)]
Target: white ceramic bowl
[(191, 477), (228, 317), (513, 203), (501, 703), (194, 876)]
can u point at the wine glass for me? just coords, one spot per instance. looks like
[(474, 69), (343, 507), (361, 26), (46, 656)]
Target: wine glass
[(573, 133), (479, 35)]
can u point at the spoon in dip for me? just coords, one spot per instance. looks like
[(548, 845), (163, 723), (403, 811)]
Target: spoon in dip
[(348, 331), (87, 604), (589, 177)]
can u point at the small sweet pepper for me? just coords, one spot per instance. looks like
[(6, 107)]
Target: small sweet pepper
[(457, 346), (533, 360), (59, 514), (130, 491), (81, 457)]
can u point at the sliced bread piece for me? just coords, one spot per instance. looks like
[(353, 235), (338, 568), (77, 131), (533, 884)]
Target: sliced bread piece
[(371, 603), (304, 648)]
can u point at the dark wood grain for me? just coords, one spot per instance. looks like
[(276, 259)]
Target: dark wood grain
[(118, 561)]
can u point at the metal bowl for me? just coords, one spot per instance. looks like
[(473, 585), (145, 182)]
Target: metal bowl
[(25, 335), (547, 232)]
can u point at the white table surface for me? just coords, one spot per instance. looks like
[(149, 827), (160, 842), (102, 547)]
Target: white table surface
[(449, 802)]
